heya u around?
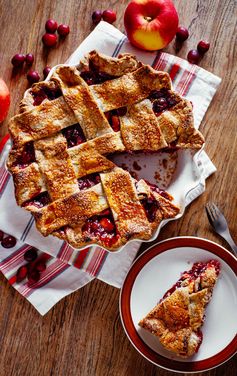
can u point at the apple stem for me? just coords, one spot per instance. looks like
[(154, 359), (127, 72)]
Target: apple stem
[(147, 18)]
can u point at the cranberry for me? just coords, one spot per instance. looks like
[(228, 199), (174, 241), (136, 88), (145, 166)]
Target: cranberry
[(46, 71), (21, 273), (49, 40), (51, 26), (96, 16), (193, 56), (18, 60), (31, 255), (32, 77), (160, 105), (182, 34), (33, 276), (40, 266), (63, 30), (8, 242), (29, 59), (1, 235), (109, 16), (203, 46), (115, 123), (107, 224)]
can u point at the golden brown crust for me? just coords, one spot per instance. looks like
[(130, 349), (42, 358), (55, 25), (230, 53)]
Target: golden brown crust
[(177, 319), (66, 100)]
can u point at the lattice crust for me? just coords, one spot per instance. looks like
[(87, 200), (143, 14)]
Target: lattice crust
[(68, 126), (177, 318)]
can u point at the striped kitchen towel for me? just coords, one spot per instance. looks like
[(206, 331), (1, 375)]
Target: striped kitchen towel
[(67, 269)]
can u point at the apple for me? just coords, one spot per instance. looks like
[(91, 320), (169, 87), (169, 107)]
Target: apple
[(151, 24), (4, 100)]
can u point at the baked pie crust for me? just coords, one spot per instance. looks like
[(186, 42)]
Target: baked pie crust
[(177, 318), (64, 132)]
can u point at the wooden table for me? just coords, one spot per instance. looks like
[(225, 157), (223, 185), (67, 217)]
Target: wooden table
[(83, 335)]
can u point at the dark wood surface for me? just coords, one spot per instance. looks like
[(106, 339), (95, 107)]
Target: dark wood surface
[(83, 335)]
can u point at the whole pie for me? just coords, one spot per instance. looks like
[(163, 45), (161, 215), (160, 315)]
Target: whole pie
[(64, 134), (177, 318)]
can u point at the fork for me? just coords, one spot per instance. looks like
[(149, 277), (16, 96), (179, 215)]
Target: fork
[(219, 224)]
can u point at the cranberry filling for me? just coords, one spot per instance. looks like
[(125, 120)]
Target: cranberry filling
[(93, 77), (102, 226), (113, 117), (39, 201), (74, 135), (156, 189), (88, 181), (150, 206), (162, 100), (27, 157), (44, 93), (197, 269)]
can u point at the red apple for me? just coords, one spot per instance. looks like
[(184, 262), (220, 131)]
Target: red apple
[(4, 100), (151, 24)]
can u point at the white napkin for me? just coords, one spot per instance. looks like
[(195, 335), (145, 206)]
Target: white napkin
[(68, 269)]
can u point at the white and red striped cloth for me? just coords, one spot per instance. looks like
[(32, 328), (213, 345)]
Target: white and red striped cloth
[(67, 269)]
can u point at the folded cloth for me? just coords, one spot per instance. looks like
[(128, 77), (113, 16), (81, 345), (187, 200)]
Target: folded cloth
[(67, 269)]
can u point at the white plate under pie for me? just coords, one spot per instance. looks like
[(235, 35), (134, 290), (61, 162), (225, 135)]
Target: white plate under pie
[(153, 273)]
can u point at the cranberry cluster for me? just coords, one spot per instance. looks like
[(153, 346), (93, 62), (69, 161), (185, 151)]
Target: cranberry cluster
[(50, 40), (195, 55), (7, 241), (107, 15), (33, 269)]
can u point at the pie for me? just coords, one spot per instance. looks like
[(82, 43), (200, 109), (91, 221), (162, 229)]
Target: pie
[(65, 132), (177, 318)]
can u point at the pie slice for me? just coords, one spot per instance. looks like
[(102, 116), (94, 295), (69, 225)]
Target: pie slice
[(176, 320)]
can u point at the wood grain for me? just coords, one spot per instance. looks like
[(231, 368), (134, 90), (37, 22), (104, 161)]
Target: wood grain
[(82, 335)]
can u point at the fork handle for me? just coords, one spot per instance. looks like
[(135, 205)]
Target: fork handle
[(231, 242)]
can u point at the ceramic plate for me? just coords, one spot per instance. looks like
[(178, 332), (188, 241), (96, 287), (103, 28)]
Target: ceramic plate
[(153, 273)]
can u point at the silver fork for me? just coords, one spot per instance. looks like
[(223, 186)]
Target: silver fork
[(219, 224)]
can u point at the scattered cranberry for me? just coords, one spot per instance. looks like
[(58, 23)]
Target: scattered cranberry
[(96, 16), (21, 273), (29, 59), (8, 242), (33, 276), (49, 40), (109, 16), (18, 60), (1, 235), (107, 224), (182, 34), (203, 46), (31, 255), (51, 26), (63, 30), (115, 123), (40, 266), (33, 76), (193, 56), (46, 71)]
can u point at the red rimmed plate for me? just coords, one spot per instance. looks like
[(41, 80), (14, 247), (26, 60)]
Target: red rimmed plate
[(153, 273)]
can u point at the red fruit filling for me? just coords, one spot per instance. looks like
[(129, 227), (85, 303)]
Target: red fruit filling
[(45, 93), (156, 189), (27, 157), (39, 201), (150, 206), (88, 181), (74, 135), (113, 117), (197, 270), (101, 226), (162, 100)]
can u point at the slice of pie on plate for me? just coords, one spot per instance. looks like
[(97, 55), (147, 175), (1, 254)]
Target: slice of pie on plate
[(176, 320)]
